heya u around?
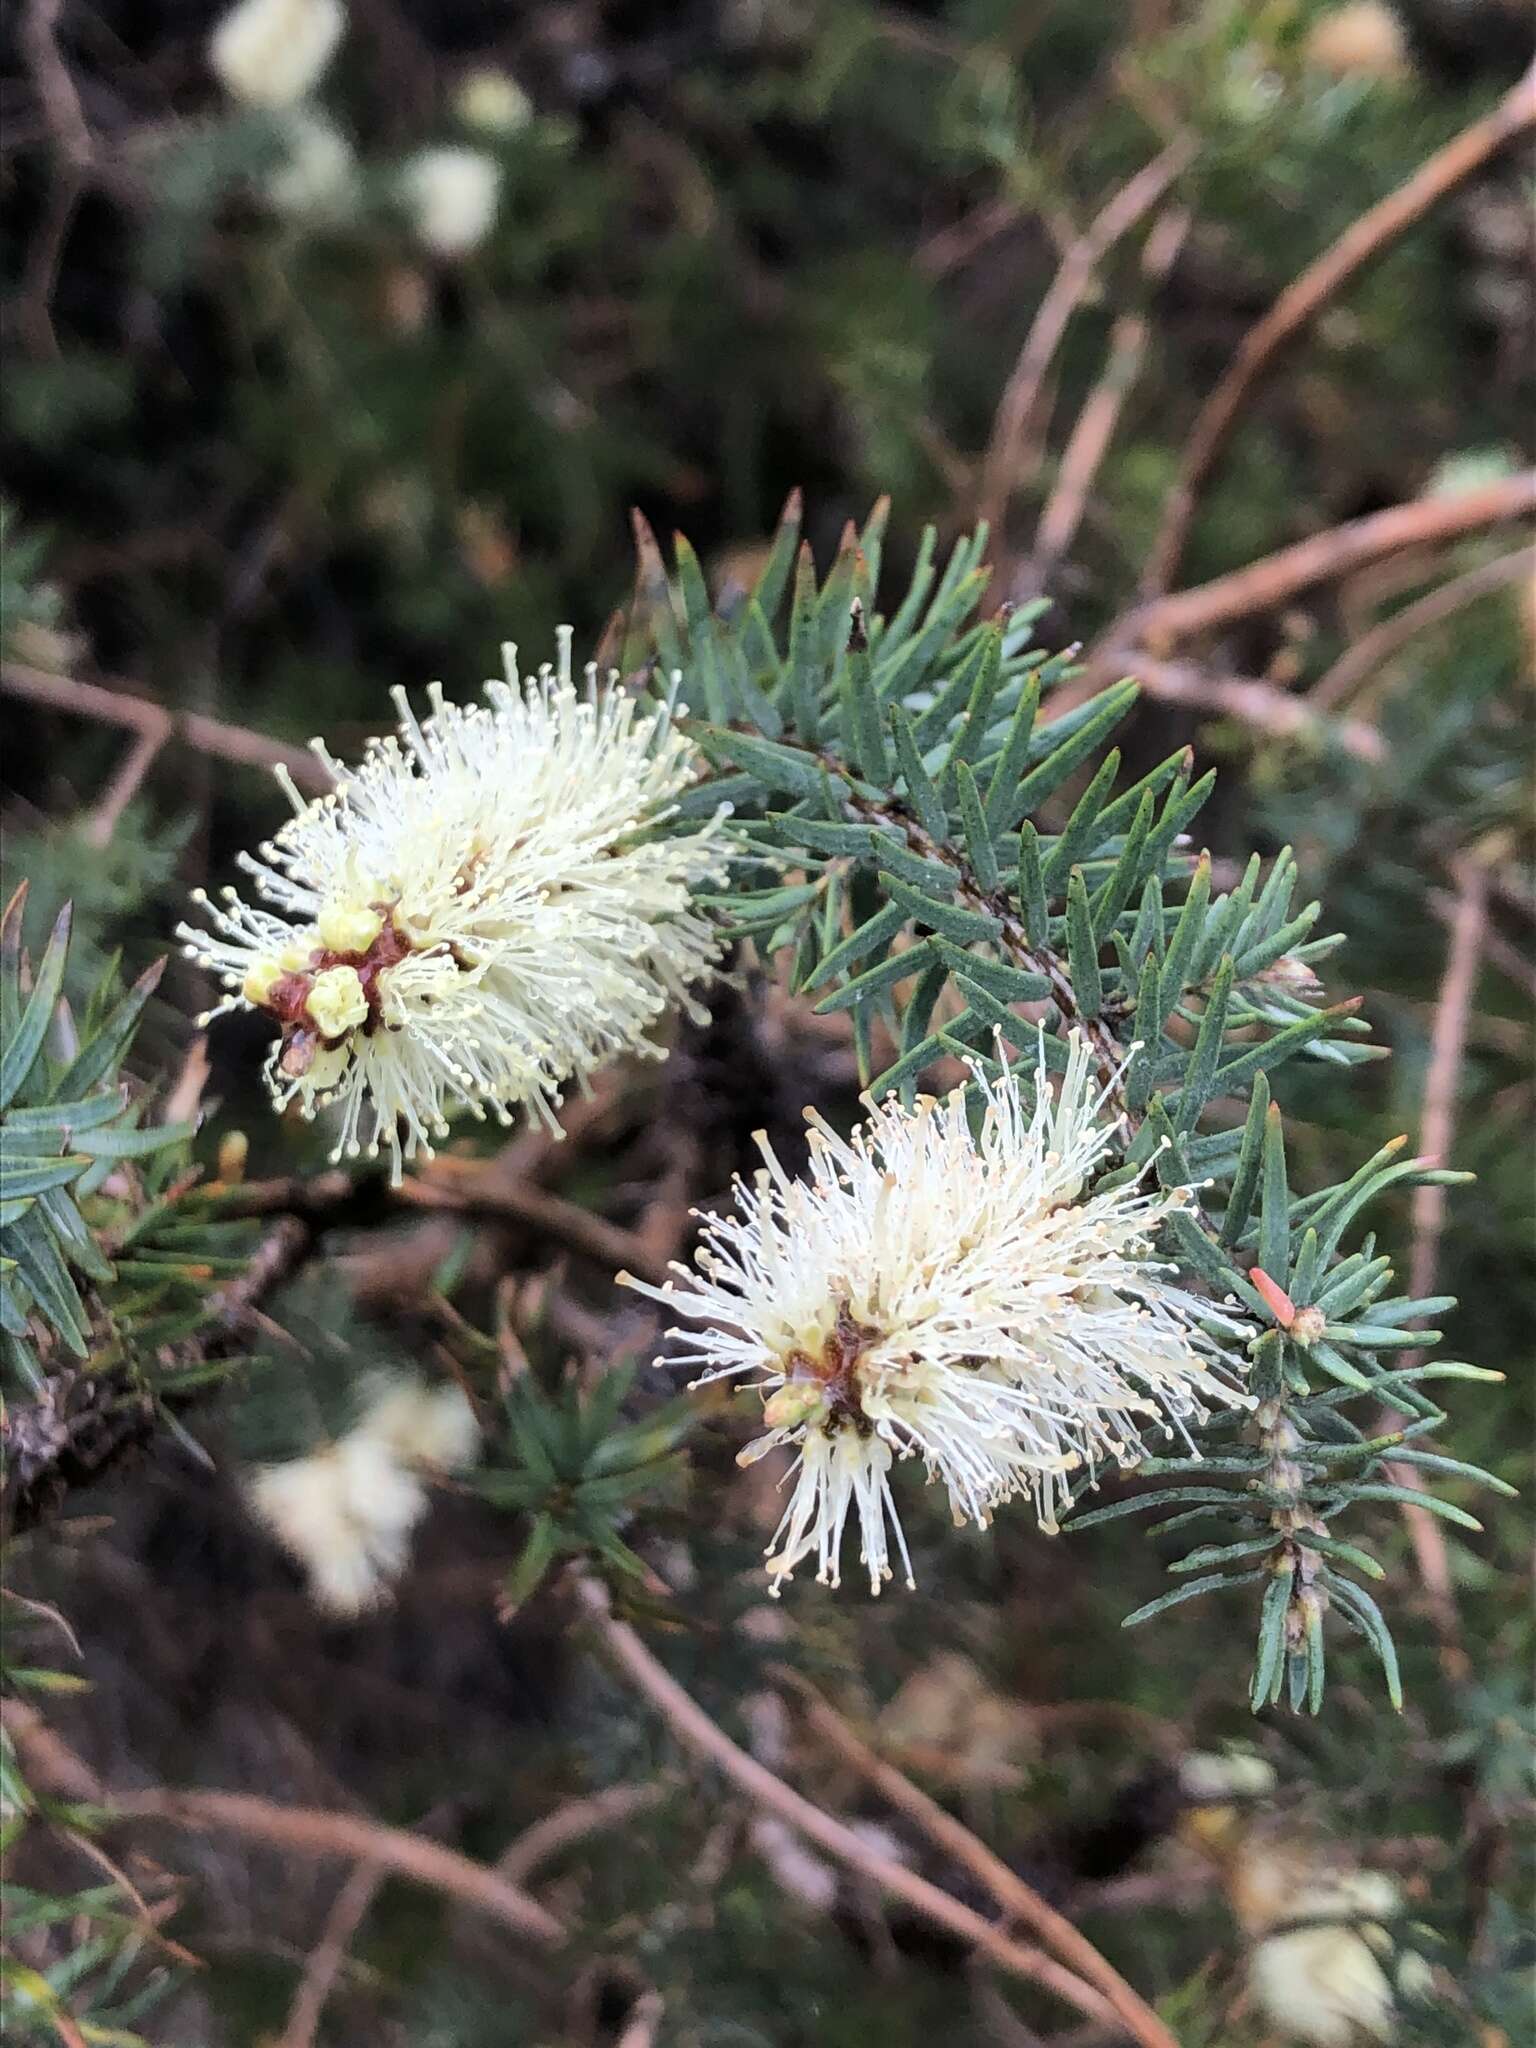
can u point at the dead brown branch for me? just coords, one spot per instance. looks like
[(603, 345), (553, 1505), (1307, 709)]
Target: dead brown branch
[(1323, 558), (1374, 649), (1360, 244), (475, 1186), (1088, 443), (348, 1911), (1247, 699), (55, 88), (1017, 407), (210, 736), (573, 1822), (696, 1731), (307, 1831), (1437, 1129), (1019, 1901)]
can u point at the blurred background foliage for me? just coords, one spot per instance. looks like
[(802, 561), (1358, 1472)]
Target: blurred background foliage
[(271, 445)]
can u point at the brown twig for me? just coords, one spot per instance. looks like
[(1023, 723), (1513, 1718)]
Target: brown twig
[(127, 780), (476, 1186), (643, 2021), (212, 736), (1018, 1900), (55, 88), (308, 1831), (1437, 1127), (1021, 394), (348, 1911), (1248, 699), (573, 1822), (1088, 443), (1360, 244), (1374, 649), (696, 1731), (1324, 558)]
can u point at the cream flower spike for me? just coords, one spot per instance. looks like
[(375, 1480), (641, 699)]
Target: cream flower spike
[(478, 913), (960, 1299)]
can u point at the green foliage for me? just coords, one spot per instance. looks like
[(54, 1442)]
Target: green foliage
[(897, 766), (578, 1472), (66, 1123)]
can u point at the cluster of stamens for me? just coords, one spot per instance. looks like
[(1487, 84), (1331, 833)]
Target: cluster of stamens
[(823, 1391), (321, 993)]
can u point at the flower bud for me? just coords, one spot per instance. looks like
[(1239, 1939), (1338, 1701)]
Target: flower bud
[(348, 927), (260, 981), (337, 1002), (795, 1402)]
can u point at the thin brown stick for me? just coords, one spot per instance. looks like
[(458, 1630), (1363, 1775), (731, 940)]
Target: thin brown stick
[(316, 1832), (1374, 649), (212, 736), (308, 1831), (1248, 699), (348, 1911), (1437, 1129), (127, 780), (643, 2021), (1018, 1900), (573, 1822), (475, 1186), (694, 1728), (1021, 394), (1089, 441), (1324, 558), (56, 89), (1302, 299)]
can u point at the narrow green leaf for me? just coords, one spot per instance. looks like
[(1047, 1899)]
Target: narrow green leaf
[(979, 849), (1186, 934), (1216, 1582), (1271, 1658), (21, 1176), (1200, 1075), (1128, 870), (770, 585), (1112, 705), (1274, 1202), (1082, 949), (894, 968), (25, 1043), (963, 926), (1273, 1052), (785, 769), (1032, 904), (804, 667), (1358, 1607), (862, 711), (1010, 763), (920, 792), (1079, 837), (1009, 984)]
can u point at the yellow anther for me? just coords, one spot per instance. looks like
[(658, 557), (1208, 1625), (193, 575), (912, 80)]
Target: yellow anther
[(348, 927), (261, 980), (337, 1002)]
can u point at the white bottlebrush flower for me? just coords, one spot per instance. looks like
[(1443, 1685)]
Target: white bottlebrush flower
[(317, 178), (270, 53), (345, 1514), (1325, 1983), (434, 1427), (451, 195), (492, 103), (960, 1299), (478, 913), (1212, 1777)]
